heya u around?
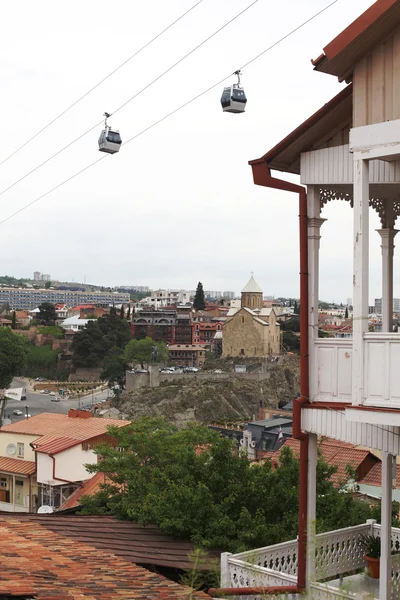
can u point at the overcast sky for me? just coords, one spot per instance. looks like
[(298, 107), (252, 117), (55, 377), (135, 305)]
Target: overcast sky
[(178, 204)]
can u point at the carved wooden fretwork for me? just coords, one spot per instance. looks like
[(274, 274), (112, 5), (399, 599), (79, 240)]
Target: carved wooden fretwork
[(326, 195), (387, 210)]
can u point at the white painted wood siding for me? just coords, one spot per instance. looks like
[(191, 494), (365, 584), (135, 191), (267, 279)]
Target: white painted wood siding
[(334, 166), (333, 370), (376, 84), (332, 423), (381, 369)]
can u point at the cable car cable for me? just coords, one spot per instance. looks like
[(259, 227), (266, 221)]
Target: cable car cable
[(130, 99), (101, 81), (17, 212)]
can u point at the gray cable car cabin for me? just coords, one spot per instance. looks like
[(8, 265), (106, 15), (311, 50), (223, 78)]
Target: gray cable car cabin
[(110, 140), (233, 98)]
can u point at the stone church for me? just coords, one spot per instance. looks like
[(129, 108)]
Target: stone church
[(251, 330)]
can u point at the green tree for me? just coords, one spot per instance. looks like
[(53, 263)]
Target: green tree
[(199, 302), (291, 341), (91, 345), (47, 285), (346, 313), (191, 484), (128, 314), (114, 367), (113, 310), (47, 313), (122, 312), (13, 356), (143, 351), (296, 309), (14, 320)]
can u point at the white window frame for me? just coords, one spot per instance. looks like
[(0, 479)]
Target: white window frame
[(20, 450)]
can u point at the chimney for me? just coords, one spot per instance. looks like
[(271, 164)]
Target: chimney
[(74, 413)]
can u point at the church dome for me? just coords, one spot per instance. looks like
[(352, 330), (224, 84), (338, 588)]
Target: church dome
[(252, 287)]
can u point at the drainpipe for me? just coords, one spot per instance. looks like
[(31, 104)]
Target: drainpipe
[(262, 176)]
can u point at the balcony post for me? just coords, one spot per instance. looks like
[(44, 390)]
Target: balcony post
[(314, 236), (387, 236), (311, 508), (386, 528), (360, 274)]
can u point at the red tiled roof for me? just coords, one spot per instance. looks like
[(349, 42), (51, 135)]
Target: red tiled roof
[(63, 426), (90, 487), (336, 454), (17, 466), (374, 476), (40, 563)]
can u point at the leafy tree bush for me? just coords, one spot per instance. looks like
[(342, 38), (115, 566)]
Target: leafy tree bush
[(91, 345), (192, 485), (142, 351), (114, 367), (13, 356), (47, 312)]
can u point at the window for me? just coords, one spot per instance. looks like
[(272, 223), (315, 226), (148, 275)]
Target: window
[(20, 450), (242, 319), (3, 482), (242, 351)]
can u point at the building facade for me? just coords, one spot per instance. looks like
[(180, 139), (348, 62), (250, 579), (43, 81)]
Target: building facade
[(187, 355), (251, 330), (348, 150), (29, 299)]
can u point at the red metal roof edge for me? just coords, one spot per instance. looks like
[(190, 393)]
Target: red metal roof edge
[(352, 31), (302, 128)]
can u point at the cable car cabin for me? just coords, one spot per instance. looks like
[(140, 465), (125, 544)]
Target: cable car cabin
[(110, 141), (233, 99)]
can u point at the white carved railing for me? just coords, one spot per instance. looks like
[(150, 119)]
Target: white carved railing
[(395, 559), (280, 557), (338, 552), (381, 364), (332, 370), (243, 574)]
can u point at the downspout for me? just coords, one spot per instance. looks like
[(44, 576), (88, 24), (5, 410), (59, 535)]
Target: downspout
[(262, 176)]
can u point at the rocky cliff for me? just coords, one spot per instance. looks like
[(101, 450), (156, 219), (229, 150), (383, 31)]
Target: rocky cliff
[(212, 401)]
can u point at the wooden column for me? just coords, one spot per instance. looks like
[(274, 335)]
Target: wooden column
[(360, 275), (312, 505), (314, 236), (387, 246), (386, 527)]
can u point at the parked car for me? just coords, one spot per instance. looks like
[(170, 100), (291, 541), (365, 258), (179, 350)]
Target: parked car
[(47, 391), (141, 371), (191, 370), (40, 379), (42, 392), (52, 393), (166, 371), (55, 399), (17, 412), (217, 371)]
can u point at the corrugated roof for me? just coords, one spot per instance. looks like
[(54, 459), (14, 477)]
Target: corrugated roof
[(42, 564), (56, 445), (62, 426), (126, 539), (17, 466), (358, 39)]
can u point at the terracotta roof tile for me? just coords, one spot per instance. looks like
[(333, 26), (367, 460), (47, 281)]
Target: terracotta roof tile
[(90, 487), (335, 453), (374, 476), (38, 562), (17, 466)]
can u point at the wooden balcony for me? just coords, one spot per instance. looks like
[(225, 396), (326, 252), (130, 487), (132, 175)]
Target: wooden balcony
[(339, 566), (381, 377)]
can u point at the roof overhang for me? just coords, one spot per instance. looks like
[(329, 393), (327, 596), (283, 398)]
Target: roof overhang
[(358, 39), (320, 127)]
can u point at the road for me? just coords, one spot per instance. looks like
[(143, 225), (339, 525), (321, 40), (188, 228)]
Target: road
[(39, 403)]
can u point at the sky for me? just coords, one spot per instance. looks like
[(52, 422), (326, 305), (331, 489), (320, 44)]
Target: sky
[(177, 205)]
